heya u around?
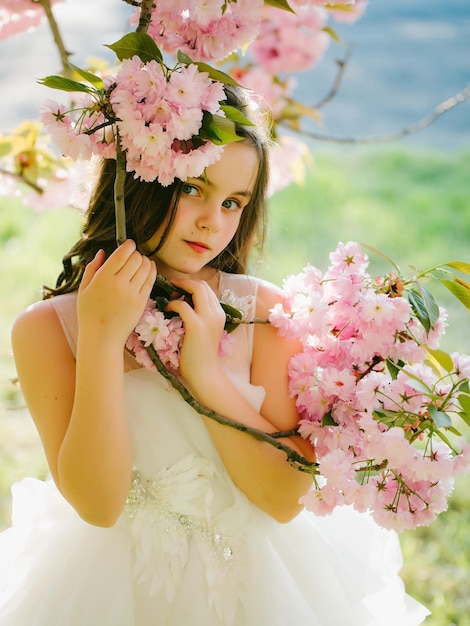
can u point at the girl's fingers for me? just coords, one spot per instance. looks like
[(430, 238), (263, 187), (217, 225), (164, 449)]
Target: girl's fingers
[(125, 259), (206, 309), (145, 276), (182, 308), (200, 291), (91, 268)]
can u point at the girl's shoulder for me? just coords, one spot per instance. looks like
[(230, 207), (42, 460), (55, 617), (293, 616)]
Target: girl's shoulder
[(41, 323), (267, 297)]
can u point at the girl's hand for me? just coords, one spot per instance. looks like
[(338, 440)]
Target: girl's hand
[(113, 292), (204, 324)]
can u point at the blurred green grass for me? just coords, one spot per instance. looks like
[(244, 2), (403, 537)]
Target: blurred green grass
[(411, 205)]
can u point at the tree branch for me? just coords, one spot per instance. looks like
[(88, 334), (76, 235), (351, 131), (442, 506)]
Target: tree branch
[(439, 110), (341, 63), (20, 177), (120, 180), (64, 54), (119, 192), (145, 16), (293, 458)]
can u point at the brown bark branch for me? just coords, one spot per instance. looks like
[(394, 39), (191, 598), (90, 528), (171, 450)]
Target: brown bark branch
[(119, 192), (294, 458), (439, 110), (64, 54), (341, 64)]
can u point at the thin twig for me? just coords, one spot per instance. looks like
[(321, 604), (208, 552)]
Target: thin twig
[(120, 180), (294, 458), (119, 191), (439, 110), (64, 54), (20, 177), (341, 63)]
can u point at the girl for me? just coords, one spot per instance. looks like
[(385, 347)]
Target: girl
[(154, 514)]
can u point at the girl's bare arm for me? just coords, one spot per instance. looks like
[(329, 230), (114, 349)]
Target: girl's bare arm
[(256, 467), (78, 407)]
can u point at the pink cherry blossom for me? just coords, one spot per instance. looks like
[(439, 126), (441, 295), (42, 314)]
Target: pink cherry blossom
[(18, 16), (322, 501), (289, 42), (461, 364), (337, 467), (461, 463), (204, 30), (366, 395), (156, 112)]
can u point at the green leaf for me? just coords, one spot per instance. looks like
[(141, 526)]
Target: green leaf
[(332, 33), (96, 81), (381, 254), (393, 369), (184, 59), (419, 386), (424, 306), (441, 435), (234, 114), (279, 4), (459, 291), (464, 401), (64, 84), (443, 358), (136, 44), (219, 130), (454, 431), (430, 304), (419, 308), (440, 419), (230, 312), (328, 420), (460, 266), (214, 74)]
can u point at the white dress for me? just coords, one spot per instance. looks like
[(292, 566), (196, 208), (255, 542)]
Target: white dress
[(190, 549)]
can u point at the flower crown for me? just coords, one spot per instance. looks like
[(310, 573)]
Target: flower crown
[(170, 122)]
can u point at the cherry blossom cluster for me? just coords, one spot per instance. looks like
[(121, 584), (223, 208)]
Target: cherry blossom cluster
[(165, 335), (18, 16), (158, 113), (278, 43), (372, 403), (287, 43), (204, 30)]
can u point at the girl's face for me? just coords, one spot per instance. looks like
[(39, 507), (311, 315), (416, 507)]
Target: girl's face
[(208, 214)]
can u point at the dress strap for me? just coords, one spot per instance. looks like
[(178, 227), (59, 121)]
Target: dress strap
[(65, 306), (240, 290)]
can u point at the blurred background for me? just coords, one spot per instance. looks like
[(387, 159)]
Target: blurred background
[(409, 199)]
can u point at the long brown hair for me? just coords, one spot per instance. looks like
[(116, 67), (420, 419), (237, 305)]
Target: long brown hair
[(149, 204)]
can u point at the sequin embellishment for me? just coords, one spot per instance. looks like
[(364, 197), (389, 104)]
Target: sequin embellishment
[(166, 513)]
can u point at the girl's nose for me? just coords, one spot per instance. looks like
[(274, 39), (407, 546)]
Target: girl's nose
[(210, 216)]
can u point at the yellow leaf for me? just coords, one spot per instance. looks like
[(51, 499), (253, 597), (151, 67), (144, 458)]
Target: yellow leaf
[(332, 33)]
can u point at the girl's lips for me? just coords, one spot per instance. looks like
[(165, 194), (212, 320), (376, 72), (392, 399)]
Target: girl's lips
[(197, 246)]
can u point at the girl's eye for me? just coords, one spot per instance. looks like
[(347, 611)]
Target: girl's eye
[(189, 190), (231, 205)]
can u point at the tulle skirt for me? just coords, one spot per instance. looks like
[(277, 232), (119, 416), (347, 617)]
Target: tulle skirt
[(57, 570)]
